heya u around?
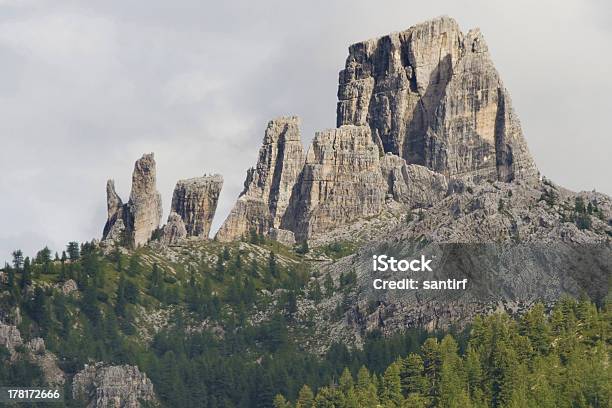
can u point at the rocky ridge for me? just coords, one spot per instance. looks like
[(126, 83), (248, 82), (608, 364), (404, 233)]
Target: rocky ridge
[(416, 109)]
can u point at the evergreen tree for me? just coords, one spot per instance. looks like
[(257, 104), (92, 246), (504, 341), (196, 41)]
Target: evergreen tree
[(17, 259), (26, 275), (272, 265), (305, 398), (73, 250)]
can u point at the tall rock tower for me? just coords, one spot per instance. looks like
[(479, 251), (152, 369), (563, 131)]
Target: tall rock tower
[(431, 95), (133, 223), (268, 186), (195, 201)]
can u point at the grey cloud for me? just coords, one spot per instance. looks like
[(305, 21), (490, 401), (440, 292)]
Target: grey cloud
[(88, 87)]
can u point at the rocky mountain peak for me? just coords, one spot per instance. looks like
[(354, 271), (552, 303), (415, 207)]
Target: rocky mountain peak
[(432, 95)]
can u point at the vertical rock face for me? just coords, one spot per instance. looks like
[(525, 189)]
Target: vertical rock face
[(195, 201), (268, 186), (145, 201), (114, 229), (431, 95), (341, 181), (411, 184), (133, 223), (113, 386)]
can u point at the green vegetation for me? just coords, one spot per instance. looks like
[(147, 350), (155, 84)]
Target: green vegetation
[(337, 250), (209, 351), (560, 360)]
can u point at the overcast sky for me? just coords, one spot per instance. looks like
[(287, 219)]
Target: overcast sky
[(87, 87)]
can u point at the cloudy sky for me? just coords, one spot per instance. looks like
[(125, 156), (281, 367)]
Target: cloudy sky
[(87, 87)]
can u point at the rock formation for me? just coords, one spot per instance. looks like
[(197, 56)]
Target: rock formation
[(195, 201), (341, 182), (10, 337), (145, 201), (268, 187), (133, 223), (113, 386), (174, 230), (416, 109), (33, 351), (411, 184), (431, 95)]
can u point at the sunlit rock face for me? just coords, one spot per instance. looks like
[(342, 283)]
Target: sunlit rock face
[(268, 186), (432, 95)]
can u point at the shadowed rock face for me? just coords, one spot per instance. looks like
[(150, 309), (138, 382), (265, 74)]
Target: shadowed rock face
[(341, 182), (268, 186), (195, 201), (431, 95), (174, 230), (133, 223)]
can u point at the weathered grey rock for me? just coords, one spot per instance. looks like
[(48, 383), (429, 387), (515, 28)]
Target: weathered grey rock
[(69, 286), (113, 386), (195, 201), (431, 95), (47, 361), (145, 201), (285, 237), (411, 184), (34, 351), (268, 187), (118, 215), (10, 337), (133, 223), (340, 183), (174, 230), (517, 244)]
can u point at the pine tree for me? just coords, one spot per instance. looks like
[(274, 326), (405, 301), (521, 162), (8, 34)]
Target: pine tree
[(281, 402), (73, 251), (272, 265), (305, 398), (26, 275), (17, 259), (392, 391), (411, 375)]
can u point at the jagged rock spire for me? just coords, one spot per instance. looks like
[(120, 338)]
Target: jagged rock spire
[(133, 223), (268, 186)]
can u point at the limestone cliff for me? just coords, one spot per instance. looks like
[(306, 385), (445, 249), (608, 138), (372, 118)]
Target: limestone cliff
[(341, 181), (113, 386), (133, 223), (432, 95), (195, 201), (145, 201), (268, 186)]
